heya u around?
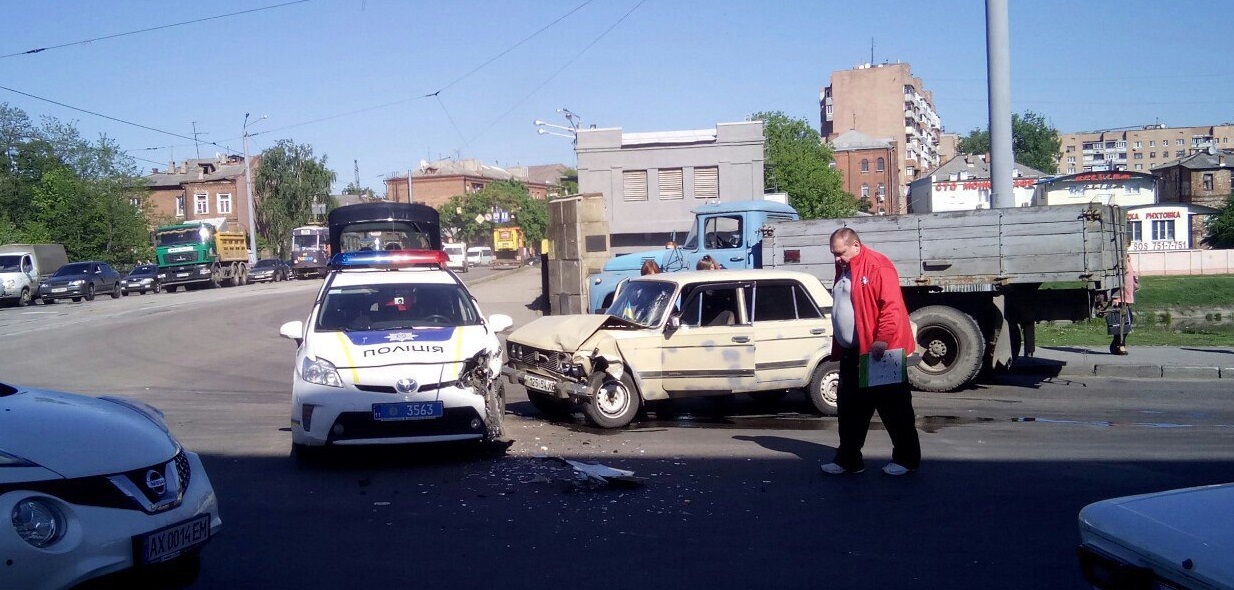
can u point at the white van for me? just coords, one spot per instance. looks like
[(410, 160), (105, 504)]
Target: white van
[(480, 256), (458, 256)]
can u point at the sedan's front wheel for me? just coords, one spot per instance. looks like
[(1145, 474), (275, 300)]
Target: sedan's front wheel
[(613, 402), (89, 293)]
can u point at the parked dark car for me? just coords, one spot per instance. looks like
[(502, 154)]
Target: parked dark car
[(269, 269), (143, 278), (81, 280)]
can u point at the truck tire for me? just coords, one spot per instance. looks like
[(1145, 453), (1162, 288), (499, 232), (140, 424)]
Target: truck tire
[(214, 276), (613, 403), (823, 388), (24, 298), (953, 349)]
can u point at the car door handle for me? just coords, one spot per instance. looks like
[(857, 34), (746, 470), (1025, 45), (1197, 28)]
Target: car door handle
[(737, 259), (817, 331), (741, 339)]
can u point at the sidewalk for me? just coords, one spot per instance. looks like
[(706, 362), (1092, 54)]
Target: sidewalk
[(1166, 362), (515, 293)]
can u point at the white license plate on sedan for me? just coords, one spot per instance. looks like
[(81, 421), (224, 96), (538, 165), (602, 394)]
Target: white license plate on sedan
[(59, 289), (540, 383), (408, 411), (171, 542)]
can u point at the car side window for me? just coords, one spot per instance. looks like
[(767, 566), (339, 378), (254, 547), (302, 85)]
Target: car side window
[(806, 307), (712, 305)]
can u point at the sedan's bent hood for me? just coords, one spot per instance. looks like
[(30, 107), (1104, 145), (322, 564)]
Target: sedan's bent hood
[(566, 332), (76, 435)]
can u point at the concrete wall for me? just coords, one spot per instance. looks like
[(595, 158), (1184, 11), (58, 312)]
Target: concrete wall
[(604, 155), (1184, 262)]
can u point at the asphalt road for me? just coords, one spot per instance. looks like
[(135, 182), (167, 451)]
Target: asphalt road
[(731, 497)]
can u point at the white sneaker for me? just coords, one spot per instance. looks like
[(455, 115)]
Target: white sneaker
[(895, 469), (835, 469)]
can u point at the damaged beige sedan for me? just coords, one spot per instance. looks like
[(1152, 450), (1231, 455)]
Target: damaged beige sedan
[(677, 335)]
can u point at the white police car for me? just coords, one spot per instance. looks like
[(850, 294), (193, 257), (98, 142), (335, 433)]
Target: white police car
[(395, 351)]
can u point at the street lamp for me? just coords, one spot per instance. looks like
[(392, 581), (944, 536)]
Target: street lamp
[(248, 185)]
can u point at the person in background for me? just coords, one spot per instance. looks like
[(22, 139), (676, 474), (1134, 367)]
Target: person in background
[(1122, 305), (869, 317), (708, 263), (650, 267)]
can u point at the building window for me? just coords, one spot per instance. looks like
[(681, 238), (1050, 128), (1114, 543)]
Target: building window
[(882, 191), (180, 206), (1163, 229), (1139, 144), (1121, 145), (1152, 143), (1071, 159), (1109, 145), (707, 183), (880, 165), (912, 172), (224, 204), (865, 191), (1139, 156), (1179, 154), (201, 203), (1178, 142), (634, 185), (1071, 170), (865, 165), (1208, 182), (1152, 154), (135, 202), (1070, 149), (1135, 229), (1139, 166), (672, 185)]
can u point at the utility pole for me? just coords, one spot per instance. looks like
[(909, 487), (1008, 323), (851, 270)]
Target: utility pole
[(998, 66), (357, 165), (195, 142), (248, 184)]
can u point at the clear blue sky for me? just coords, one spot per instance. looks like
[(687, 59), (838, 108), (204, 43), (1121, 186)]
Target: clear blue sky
[(346, 76)]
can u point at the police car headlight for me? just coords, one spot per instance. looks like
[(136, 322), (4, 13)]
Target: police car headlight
[(320, 372)]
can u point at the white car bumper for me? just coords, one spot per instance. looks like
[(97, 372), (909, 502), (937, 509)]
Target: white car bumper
[(344, 416), (98, 540)]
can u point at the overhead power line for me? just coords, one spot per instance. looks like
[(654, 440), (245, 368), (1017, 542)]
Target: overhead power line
[(190, 22), (110, 118)]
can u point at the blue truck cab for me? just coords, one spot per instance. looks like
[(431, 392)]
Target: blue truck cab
[(727, 232)]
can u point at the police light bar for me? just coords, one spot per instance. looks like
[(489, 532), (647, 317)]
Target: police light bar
[(389, 259)]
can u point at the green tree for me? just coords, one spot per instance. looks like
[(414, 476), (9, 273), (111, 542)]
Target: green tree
[(1220, 227), (463, 217), (569, 181), (287, 180), (355, 189), (1033, 141), (800, 164)]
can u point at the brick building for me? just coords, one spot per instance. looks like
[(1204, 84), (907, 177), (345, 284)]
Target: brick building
[(868, 167), (433, 183), (200, 189), (1201, 180), (885, 100)]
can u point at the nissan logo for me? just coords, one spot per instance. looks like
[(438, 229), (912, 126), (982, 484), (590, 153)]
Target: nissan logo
[(155, 482), (406, 385)]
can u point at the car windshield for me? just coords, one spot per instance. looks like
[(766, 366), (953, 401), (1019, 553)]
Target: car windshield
[(643, 302), (691, 242), (69, 270), (396, 307), (144, 269), (308, 242), (10, 263), (266, 263)]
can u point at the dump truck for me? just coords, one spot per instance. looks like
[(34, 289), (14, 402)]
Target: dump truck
[(201, 253), (508, 247)]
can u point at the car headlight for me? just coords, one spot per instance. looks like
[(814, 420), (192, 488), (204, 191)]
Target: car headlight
[(320, 372), (77, 283), (38, 521)]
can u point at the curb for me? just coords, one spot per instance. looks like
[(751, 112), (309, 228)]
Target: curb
[(1125, 370)]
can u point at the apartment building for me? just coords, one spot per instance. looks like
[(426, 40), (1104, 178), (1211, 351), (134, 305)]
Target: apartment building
[(1138, 149), (885, 100)]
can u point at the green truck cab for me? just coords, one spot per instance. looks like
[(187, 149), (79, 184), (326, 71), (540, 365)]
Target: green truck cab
[(201, 253)]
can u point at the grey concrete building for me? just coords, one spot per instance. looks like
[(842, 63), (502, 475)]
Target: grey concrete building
[(653, 181)]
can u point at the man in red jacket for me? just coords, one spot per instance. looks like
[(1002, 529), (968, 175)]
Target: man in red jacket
[(869, 318)]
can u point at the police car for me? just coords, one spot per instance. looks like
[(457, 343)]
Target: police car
[(395, 351)]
